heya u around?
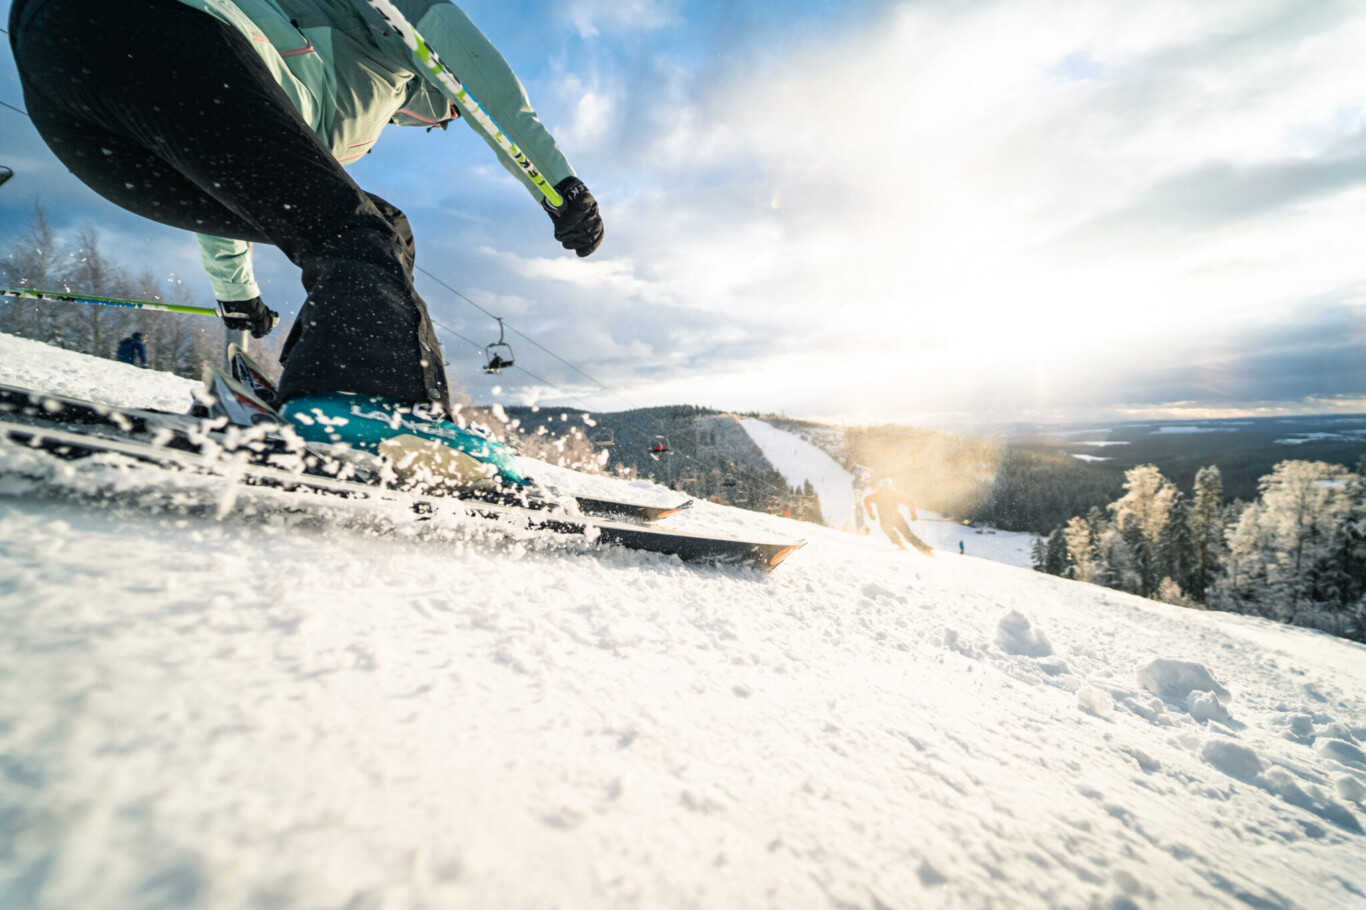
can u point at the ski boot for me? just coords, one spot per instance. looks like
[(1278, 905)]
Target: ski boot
[(423, 449)]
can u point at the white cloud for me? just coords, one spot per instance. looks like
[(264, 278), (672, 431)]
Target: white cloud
[(968, 180), (590, 17)]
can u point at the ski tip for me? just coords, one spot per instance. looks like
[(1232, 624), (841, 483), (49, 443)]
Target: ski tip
[(674, 511), (785, 552)]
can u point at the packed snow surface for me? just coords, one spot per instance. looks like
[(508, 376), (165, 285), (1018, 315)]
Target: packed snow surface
[(308, 709)]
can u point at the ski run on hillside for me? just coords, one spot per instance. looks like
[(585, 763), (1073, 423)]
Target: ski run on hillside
[(319, 707)]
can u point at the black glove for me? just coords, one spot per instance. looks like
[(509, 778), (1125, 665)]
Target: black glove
[(248, 315), (578, 226)]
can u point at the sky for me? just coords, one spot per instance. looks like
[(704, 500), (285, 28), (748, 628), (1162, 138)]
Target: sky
[(927, 212)]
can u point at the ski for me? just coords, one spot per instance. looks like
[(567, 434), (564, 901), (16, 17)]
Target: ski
[(71, 429), (250, 375)]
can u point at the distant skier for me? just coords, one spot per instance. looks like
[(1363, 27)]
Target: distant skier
[(888, 502), (233, 118), (133, 350)]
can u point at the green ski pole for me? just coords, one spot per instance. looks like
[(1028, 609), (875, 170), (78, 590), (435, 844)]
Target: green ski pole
[(467, 103), (62, 297)]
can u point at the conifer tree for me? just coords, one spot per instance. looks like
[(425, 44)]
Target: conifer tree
[(1176, 549), (1081, 549), (1206, 520), (1141, 515)]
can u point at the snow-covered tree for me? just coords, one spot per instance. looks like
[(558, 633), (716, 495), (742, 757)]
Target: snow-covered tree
[(1170, 592), (1337, 579), (1116, 564), (1081, 549), (1304, 502), (1278, 547), (1141, 515)]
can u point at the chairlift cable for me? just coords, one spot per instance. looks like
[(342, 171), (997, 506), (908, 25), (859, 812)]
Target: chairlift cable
[(479, 347), (529, 339)]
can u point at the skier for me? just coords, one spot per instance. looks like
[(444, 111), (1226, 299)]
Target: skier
[(232, 119), (132, 350), (888, 502)]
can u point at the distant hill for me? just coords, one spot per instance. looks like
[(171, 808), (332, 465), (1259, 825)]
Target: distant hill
[(700, 451), (1023, 478)]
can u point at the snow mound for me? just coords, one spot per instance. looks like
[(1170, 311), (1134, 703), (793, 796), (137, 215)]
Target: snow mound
[(1175, 680), (1342, 752), (1233, 759), (1015, 635)]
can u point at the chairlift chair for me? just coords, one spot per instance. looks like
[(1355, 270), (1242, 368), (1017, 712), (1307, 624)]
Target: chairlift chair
[(660, 446), (498, 356), (603, 437)]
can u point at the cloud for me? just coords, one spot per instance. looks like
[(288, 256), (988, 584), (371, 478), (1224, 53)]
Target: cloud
[(897, 208), (590, 17)]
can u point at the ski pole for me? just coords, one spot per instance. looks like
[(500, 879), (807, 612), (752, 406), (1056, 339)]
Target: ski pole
[(467, 103), (62, 297)]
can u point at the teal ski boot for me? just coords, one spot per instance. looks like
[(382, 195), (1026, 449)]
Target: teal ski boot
[(422, 449)]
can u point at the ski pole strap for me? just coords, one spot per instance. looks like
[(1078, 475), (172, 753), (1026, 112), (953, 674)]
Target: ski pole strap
[(91, 299), (467, 103)]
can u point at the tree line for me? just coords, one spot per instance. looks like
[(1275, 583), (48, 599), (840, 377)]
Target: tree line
[(1296, 554), (39, 258)]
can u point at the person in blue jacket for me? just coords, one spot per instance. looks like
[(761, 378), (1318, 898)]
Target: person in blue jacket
[(132, 349)]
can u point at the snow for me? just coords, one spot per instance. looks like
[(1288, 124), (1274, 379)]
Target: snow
[(1080, 457), (799, 461), (310, 710), (1190, 430), (1302, 438)]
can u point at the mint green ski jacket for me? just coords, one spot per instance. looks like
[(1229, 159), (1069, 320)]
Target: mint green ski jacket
[(349, 76)]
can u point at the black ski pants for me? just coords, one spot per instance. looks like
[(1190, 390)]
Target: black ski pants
[(897, 530), (168, 112)]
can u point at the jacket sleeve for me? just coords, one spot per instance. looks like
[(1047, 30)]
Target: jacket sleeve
[(228, 263), (487, 76)]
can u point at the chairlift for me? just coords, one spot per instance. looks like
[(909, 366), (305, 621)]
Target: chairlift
[(728, 480), (603, 437), (5, 174), (660, 446), (498, 355)]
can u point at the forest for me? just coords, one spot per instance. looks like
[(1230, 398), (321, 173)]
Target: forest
[(1296, 553)]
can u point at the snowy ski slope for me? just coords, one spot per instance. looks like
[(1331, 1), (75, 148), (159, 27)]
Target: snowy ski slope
[(799, 461), (305, 712)]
